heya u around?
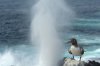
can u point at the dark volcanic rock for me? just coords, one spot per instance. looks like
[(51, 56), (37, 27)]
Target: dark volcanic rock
[(92, 63)]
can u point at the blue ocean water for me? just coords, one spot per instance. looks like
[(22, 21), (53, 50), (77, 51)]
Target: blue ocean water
[(15, 26)]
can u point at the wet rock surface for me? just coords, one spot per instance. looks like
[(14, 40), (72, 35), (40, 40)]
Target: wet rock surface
[(73, 62)]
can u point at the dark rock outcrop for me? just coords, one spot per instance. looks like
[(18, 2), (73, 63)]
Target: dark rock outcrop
[(92, 63)]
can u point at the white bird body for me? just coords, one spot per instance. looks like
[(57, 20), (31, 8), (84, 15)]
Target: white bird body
[(76, 51)]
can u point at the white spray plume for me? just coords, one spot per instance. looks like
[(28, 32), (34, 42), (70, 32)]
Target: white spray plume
[(48, 15)]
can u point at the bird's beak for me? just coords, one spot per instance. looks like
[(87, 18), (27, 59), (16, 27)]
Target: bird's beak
[(68, 42)]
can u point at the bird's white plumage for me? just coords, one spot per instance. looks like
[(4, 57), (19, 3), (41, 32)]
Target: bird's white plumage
[(75, 50)]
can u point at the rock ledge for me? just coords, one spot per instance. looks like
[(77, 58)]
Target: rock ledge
[(73, 62)]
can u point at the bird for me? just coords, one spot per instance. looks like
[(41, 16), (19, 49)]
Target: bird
[(75, 49)]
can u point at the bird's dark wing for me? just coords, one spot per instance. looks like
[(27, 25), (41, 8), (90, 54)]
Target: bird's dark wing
[(70, 51), (82, 50)]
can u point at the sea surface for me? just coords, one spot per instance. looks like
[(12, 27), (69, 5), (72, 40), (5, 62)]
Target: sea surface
[(15, 20)]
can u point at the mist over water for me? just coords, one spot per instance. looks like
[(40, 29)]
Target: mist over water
[(49, 15)]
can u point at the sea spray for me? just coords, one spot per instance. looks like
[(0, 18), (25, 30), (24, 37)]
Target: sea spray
[(7, 59), (48, 15)]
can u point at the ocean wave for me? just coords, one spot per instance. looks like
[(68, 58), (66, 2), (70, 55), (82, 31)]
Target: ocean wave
[(85, 19), (85, 38), (92, 41), (92, 55), (22, 55)]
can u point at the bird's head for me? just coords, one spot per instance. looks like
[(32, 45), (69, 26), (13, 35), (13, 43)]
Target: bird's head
[(73, 41)]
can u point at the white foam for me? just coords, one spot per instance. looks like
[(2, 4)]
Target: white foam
[(97, 50), (6, 59), (92, 55)]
